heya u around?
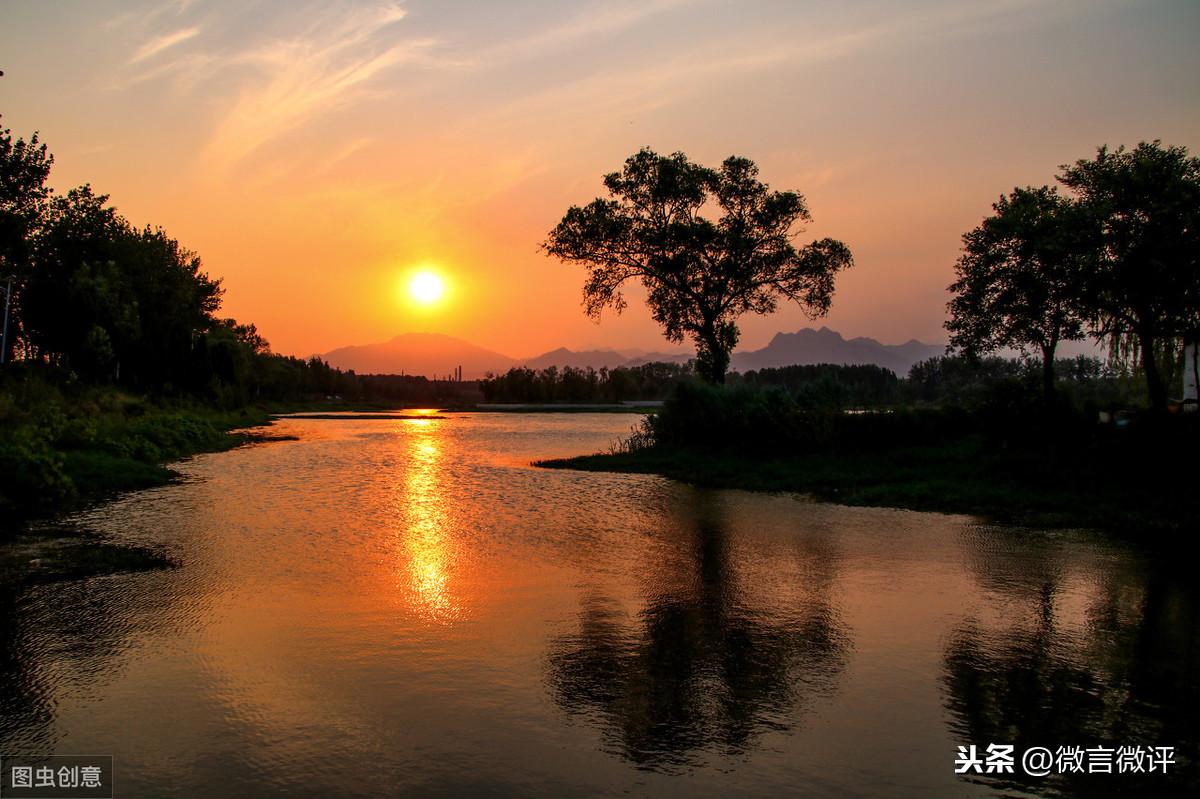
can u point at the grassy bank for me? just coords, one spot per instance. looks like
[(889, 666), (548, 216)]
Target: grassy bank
[(962, 477), (62, 456), (1008, 464), (65, 445)]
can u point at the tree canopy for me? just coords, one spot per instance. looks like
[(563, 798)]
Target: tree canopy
[(1118, 259), (700, 274), (24, 168), (1020, 278), (1144, 291), (103, 297)]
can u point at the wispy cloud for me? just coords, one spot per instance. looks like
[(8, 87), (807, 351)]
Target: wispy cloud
[(281, 84), (586, 24), (161, 43), (274, 74), (676, 75)]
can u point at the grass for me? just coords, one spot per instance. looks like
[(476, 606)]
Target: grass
[(65, 452), (60, 451), (960, 476)]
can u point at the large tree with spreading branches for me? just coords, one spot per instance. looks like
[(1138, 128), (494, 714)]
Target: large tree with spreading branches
[(1020, 278), (700, 274), (1144, 290)]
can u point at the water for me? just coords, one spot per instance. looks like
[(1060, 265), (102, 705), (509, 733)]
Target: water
[(394, 606)]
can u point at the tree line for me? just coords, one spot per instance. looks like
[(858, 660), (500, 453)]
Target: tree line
[(649, 381), (1090, 384), (1114, 256)]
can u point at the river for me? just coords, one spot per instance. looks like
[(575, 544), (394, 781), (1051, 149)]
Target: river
[(390, 606)]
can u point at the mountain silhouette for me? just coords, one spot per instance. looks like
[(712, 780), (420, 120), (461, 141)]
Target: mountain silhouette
[(580, 359), (429, 354), (809, 346), (435, 355)]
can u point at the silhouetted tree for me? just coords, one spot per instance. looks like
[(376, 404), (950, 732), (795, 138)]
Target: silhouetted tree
[(1144, 292), (24, 168), (700, 275), (174, 300), (1020, 278), (103, 297), (77, 308)]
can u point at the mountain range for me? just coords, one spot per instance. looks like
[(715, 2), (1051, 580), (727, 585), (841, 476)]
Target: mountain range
[(437, 355)]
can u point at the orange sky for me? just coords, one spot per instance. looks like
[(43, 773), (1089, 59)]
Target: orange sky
[(315, 154)]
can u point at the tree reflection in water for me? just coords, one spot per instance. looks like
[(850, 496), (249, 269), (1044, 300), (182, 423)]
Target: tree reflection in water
[(1129, 675), (704, 667)]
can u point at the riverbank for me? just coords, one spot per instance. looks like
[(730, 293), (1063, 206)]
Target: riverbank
[(66, 457), (60, 452), (965, 475), (63, 448)]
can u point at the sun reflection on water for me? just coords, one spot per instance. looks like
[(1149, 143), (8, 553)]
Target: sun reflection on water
[(426, 539)]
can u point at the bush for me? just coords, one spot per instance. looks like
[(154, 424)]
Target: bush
[(31, 470), (748, 418)]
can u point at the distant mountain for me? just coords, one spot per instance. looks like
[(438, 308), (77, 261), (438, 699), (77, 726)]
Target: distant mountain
[(809, 346), (660, 357), (433, 354), (581, 359), (429, 354)]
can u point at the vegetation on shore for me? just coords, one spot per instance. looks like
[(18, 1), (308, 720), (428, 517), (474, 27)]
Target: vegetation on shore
[(1003, 457), (965, 476), (1116, 259), (62, 446)]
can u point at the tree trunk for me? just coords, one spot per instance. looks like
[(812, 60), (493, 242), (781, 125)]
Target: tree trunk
[(712, 361), (1048, 373), (1154, 384)]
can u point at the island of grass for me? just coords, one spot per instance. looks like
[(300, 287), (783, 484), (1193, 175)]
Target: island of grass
[(1011, 464)]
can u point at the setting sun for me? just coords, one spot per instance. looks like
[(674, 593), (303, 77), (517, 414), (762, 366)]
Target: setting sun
[(426, 288)]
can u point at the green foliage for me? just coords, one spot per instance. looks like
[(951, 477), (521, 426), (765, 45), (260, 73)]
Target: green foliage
[(1118, 481), (751, 419), (1085, 384), (32, 468), (947, 397), (109, 301), (60, 443), (700, 275), (24, 168), (1010, 457), (1119, 260)]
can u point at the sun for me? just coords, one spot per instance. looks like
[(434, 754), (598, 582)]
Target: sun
[(426, 287)]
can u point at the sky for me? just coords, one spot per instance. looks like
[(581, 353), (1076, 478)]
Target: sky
[(317, 154)]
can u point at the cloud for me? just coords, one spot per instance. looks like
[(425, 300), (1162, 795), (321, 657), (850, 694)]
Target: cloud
[(161, 43), (332, 63), (676, 75), (590, 23)]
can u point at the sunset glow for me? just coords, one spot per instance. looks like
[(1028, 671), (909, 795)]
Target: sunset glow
[(285, 142), (652, 397), (426, 288)]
